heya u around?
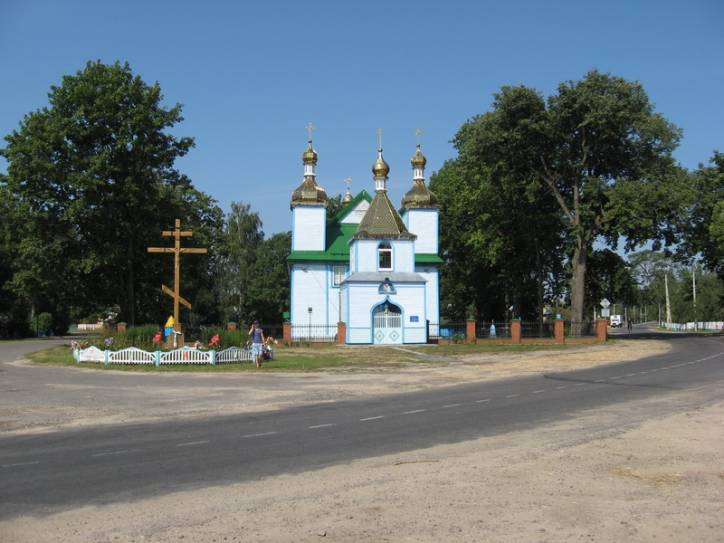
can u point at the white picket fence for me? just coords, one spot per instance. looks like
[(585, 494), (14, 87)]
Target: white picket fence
[(708, 326), (185, 355), (85, 327)]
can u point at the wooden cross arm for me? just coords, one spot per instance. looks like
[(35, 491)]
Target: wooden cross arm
[(182, 233), (160, 250), (193, 250), (182, 301)]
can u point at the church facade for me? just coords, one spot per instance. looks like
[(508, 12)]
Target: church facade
[(372, 267)]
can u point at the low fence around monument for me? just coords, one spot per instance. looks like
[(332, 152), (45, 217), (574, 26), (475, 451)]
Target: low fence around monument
[(185, 355)]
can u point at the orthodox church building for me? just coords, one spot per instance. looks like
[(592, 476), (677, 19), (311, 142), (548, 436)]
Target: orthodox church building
[(371, 267)]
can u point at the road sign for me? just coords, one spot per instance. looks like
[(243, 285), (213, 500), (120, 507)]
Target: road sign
[(605, 303), (605, 312)]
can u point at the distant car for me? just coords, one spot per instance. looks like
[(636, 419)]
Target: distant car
[(616, 321)]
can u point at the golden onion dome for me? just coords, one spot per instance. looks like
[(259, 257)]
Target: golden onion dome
[(347, 198), (380, 168), (418, 159), (308, 193), (419, 196), (310, 155)]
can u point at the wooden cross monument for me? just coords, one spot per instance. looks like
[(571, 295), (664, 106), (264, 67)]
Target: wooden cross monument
[(177, 250)]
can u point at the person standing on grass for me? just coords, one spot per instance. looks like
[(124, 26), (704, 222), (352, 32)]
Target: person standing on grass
[(630, 326), (257, 343)]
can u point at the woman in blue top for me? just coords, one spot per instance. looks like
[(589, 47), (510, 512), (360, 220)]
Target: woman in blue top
[(257, 342)]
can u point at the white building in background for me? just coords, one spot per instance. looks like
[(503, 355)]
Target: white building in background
[(372, 268)]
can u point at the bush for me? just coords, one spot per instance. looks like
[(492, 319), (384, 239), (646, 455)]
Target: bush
[(141, 337), (44, 323), (228, 338)]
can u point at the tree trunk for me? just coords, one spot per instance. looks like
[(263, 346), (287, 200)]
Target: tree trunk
[(578, 280), (130, 286), (539, 288)]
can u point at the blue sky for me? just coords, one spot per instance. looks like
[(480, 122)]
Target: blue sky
[(251, 75)]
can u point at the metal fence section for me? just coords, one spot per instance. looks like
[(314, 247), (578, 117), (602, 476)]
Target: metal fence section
[(580, 328), (536, 329), (275, 331), (314, 333), (131, 355), (453, 331), (234, 354), (185, 355), (491, 329), (712, 326)]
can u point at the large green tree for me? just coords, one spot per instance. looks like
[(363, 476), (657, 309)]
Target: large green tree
[(703, 231), (602, 153), (240, 243), (94, 176)]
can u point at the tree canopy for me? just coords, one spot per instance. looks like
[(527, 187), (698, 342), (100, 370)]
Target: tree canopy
[(591, 162), (93, 174)]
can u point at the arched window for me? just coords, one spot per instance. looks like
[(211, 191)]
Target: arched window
[(384, 254)]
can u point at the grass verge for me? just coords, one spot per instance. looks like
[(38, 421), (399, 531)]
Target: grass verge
[(314, 358)]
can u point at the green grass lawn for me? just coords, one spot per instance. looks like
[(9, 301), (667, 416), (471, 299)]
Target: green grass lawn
[(311, 358)]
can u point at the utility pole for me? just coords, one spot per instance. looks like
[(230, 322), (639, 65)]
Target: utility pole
[(668, 304), (693, 285)]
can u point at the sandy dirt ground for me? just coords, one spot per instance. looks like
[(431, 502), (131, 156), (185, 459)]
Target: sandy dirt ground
[(580, 480), (72, 397)]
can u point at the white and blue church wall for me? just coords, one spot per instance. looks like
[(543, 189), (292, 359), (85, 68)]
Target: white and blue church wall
[(364, 255), (424, 224), (309, 228), (360, 301)]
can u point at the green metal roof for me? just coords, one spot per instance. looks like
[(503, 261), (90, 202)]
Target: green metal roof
[(361, 195), (338, 238), (427, 258)]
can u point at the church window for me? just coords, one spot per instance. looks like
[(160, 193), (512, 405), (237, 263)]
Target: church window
[(338, 274), (384, 253)]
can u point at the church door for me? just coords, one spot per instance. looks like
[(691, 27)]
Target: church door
[(387, 324)]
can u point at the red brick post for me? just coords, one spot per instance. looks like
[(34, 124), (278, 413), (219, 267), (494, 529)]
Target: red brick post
[(471, 325), (231, 326), (341, 333), (558, 332), (602, 330), (287, 332), (515, 331), (121, 327)]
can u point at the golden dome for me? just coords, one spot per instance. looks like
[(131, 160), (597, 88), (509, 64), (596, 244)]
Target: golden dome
[(309, 193), (418, 159), (310, 155), (419, 196), (380, 168), (347, 198)]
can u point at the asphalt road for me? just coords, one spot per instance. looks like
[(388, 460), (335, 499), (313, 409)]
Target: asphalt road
[(40, 473)]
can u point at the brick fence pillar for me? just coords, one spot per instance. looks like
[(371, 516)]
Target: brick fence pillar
[(231, 326), (121, 327), (470, 326), (558, 333), (602, 330), (515, 331), (341, 333), (287, 332)]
